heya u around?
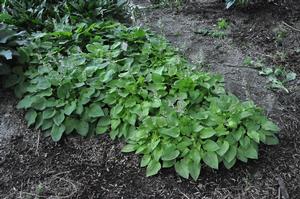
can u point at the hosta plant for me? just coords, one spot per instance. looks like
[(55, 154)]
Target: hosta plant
[(107, 78), (10, 39), (40, 14)]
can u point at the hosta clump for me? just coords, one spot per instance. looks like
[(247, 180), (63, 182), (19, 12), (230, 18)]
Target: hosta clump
[(10, 39), (39, 14), (131, 84)]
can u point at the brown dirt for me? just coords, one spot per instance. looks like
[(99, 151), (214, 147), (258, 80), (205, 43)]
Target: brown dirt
[(32, 166)]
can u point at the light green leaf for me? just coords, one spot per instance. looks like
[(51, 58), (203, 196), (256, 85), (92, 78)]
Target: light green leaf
[(82, 128), (172, 132), (30, 117), (271, 140), (254, 136), (211, 159), (270, 126), (95, 110), (70, 108), (116, 110), (59, 118), (108, 76), (210, 146), (223, 149), (207, 133), (49, 113), (194, 169), (145, 160), (115, 123), (26, 102), (230, 154), (290, 76), (57, 132), (128, 148), (153, 168), (170, 154), (182, 168), (229, 165)]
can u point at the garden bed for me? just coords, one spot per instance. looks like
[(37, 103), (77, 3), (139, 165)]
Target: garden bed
[(31, 165)]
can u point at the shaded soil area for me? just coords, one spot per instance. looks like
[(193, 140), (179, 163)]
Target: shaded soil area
[(32, 166)]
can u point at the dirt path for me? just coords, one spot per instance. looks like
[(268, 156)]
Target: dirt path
[(31, 165)]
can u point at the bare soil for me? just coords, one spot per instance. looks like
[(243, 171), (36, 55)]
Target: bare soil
[(32, 166)]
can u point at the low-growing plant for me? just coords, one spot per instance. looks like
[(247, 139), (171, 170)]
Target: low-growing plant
[(10, 39), (38, 14), (218, 32), (278, 77), (212, 33), (107, 78), (223, 24)]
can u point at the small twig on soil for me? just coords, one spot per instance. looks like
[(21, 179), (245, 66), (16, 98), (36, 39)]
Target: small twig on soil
[(282, 188), (184, 194), (291, 27), (37, 145), (73, 185)]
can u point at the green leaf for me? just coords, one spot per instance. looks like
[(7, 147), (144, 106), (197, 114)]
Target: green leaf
[(153, 168), (207, 133), (95, 110), (211, 159), (230, 154), (182, 168), (59, 118), (82, 128), (30, 117), (290, 76), (223, 149), (108, 76), (237, 134), (103, 125), (70, 124), (210, 146), (49, 113), (271, 140), (57, 132), (254, 136), (116, 110), (47, 124), (168, 164), (115, 123), (145, 160), (170, 154), (229, 165), (128, 148), (26, 102), (70, 108), (270, 126), (250, 152), (194, 169), (172, 132), (195, 155)]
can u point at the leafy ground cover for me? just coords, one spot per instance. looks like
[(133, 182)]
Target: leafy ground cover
[(212, 98), (104, 77)]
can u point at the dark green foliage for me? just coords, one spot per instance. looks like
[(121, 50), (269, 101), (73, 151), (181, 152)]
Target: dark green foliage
[(10, 39), (106, 78), (39, 14)]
